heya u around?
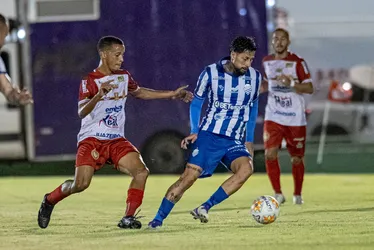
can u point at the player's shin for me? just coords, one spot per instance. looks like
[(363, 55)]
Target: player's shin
[(219, 196), (134, 200), (61, 192), (298, 174), (273, 171)]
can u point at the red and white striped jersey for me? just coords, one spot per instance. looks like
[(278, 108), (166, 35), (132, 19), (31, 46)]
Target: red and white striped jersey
[(107, 119), (285, 106)]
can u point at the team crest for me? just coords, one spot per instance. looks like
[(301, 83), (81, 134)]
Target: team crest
[(247, 88), (121, 79), (195, 152), (95, 155)]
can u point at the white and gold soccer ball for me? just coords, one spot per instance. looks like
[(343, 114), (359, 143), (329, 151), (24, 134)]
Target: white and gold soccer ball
[(265, 209)]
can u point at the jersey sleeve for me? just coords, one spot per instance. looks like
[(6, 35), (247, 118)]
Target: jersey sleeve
[(87, 90), (258, 85), (2, 67), (202, 85), (133, 85), (302, 72)]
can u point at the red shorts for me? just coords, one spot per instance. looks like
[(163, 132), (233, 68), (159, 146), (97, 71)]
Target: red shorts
[(96, 153), (294, 135)]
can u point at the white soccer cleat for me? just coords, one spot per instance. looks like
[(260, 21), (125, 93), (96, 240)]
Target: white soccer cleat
[(297, 200), (280, 198), (200, 213)]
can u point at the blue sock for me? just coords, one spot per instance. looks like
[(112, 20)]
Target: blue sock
[(164, 210), (219, 196)]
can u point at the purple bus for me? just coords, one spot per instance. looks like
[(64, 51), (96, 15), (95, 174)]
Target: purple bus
[(168, 43)]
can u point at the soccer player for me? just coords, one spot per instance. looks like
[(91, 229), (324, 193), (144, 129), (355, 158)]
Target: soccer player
[(287, 78), (226, 131), (13, 94), (102, 98)]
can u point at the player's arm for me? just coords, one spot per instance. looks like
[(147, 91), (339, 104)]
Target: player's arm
[(303, 85), (13, 95), (148, 94), (88, 102), (264, 84), (251, 125), (200, 93)]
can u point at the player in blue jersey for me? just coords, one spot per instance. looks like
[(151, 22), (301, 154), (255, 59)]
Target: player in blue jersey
[(226, 131)]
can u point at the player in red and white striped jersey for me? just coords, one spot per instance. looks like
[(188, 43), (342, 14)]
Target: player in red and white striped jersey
[(102, 98), (287, 78)]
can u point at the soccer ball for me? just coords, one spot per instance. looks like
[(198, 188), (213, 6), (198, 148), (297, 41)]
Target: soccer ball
[(265, 209)]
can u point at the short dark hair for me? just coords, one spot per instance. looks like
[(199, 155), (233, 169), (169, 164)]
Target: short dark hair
[(284, 31), (107, 41), (243, 43), (2, 19)]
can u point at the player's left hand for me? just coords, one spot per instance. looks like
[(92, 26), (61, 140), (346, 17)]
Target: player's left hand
[(20, 97), (285, 79), (182, 94), (189, 139)]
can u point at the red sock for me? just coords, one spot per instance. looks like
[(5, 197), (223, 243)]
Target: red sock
[(134, 200), (298, 177), (273, 170), (56, 195)]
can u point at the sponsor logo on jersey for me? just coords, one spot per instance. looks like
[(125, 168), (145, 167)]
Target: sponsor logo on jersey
[(114, 109), (285, 113), (283, 101), (108, 135), (109, 121), (228, 106)]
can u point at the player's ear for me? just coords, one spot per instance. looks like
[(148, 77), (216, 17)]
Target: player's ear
[(102, 54), (233, 56)]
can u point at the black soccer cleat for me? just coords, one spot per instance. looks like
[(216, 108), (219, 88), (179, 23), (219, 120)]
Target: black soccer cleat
[(129, 222), (45, 212)]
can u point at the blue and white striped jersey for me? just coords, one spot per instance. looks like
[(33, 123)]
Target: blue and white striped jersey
[(230, 99)]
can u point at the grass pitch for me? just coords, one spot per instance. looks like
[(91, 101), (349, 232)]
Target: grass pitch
[(338, 214)]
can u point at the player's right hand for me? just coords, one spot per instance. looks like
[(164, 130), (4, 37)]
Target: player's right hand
[(105, 88), (189, 139)]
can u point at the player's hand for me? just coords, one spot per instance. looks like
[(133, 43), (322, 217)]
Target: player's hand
[(105, 88), (189, 139), (285, 79), (20, 97), (182, 94)]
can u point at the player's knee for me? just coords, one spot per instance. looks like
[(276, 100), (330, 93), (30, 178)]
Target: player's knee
[(245, 171), (296, 160), (271, 155), (80, 186), (66, 186), (143, 173)]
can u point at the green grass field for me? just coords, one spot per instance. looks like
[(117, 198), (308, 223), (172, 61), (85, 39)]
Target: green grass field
[(338, 214)]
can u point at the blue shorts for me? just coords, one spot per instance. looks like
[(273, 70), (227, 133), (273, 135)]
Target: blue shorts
[(209, 149)]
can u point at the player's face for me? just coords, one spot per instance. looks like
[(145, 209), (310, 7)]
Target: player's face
[(280, 42), (3, 33), (114, 56), (242, 61)]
